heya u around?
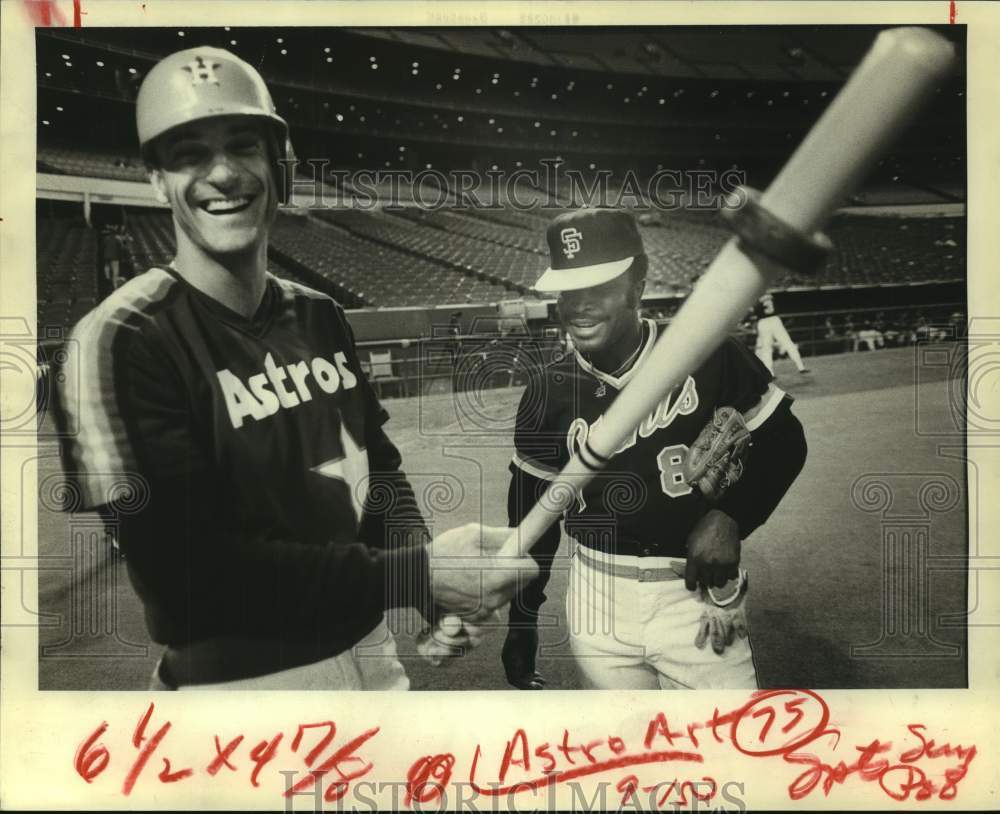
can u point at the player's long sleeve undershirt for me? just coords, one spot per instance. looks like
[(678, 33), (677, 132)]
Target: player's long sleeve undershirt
[(525, 490), (199, 579)]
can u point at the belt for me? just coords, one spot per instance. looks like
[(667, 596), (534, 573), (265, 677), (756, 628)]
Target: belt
[(229, 658), (632, 571)]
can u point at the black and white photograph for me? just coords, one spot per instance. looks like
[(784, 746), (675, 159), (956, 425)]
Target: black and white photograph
[(544, 356), (483, 233)]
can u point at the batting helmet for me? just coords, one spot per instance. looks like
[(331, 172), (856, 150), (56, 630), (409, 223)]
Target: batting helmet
[(200, 83)]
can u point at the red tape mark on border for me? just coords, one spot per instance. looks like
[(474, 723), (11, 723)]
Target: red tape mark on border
[(45, 13)]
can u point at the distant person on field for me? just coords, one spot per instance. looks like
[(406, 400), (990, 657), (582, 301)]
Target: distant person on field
[(771, 332), (870, 337)]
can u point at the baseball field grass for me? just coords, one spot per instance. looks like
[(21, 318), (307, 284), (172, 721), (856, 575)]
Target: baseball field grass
[(857, 581)]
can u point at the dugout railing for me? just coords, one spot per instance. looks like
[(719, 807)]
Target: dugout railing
[(490, 359)]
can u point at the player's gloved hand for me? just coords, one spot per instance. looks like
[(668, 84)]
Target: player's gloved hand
[(519, 651), (724, 617), (714, 461), (713, 551)]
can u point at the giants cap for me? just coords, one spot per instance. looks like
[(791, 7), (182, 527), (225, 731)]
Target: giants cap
[(588, 247)]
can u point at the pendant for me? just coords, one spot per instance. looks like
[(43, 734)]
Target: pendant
[(601, 390)]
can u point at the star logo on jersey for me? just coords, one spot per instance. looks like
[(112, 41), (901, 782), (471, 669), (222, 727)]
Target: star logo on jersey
[(202, 73), (351, 468), (571, 239)]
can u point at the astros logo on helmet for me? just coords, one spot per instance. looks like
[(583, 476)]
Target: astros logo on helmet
[(201, 71)]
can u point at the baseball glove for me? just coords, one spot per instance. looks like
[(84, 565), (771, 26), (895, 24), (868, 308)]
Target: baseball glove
[(724, 617), (715, 460)]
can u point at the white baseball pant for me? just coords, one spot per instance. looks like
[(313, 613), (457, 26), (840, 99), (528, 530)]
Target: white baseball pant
[(638, 632), (770, 332)]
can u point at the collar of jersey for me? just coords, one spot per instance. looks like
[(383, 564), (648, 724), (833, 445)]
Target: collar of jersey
[(618, 382), (254, 324)]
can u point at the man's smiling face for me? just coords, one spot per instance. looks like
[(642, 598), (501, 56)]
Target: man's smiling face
[(217, 177), (597, 318)]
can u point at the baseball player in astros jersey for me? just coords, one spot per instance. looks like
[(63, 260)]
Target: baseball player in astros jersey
[(267, 525), (655, 576), (771, 333)]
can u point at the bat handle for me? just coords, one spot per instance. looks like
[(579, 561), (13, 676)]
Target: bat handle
[(429, 645), (543, 514)]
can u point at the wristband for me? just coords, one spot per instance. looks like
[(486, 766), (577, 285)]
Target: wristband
[(760, 231), (741, 585)]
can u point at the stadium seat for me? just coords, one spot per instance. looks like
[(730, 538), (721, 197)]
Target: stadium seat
[(382, 372)]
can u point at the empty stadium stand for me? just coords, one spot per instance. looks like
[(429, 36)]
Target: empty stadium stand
[(412, 257), (92, 163), (374, 270), (482, 100), (150, 240), (503, 266), (891, 251), (66, 256), (461, 223), (514, 217)]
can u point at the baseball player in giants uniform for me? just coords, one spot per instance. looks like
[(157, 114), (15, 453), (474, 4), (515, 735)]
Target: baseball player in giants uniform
[(655, 574), (771, 332), (267, 525)]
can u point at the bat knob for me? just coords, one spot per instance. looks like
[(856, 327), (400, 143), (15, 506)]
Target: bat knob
[(920, 48), (450, 625)]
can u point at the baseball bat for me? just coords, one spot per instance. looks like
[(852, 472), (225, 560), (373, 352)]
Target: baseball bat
[(874, 106)]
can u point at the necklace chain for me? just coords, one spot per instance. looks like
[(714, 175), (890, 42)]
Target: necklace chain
[(631, 357), (601, 389)]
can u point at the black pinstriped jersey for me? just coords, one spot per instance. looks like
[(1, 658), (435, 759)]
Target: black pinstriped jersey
[(640, 503)]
